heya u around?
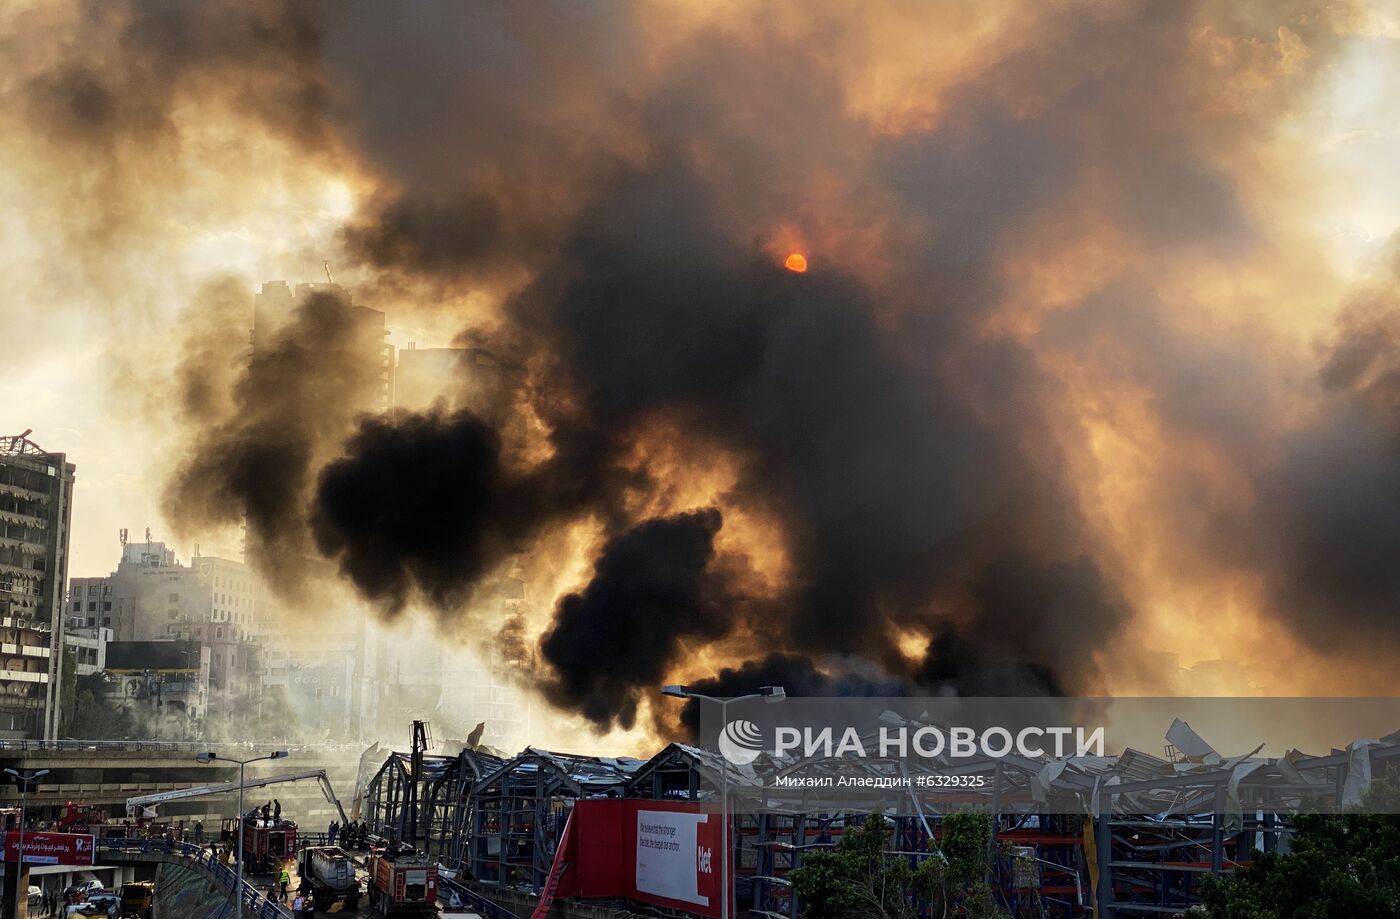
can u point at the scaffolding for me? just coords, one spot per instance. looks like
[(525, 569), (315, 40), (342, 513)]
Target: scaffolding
[(518, 812), (397, 805), (448, 806), (1112, 837)]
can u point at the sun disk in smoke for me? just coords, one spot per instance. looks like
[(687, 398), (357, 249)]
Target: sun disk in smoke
[(796, 262)]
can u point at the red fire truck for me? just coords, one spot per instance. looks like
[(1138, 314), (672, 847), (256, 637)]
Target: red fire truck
[(268, 844), (76, 818), (402, 885)]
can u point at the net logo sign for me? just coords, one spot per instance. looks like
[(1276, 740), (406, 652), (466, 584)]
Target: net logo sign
[(675, 855)]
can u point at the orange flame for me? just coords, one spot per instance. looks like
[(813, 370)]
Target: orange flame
[(796, 262)]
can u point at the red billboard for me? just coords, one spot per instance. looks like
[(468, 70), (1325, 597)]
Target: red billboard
[(661, 852), (52, 848)]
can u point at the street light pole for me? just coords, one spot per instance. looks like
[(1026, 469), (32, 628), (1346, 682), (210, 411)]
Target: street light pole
[(207, 758), (767, 694), (24, 778)]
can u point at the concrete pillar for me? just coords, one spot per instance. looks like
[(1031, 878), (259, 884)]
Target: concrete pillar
[(16, 891)]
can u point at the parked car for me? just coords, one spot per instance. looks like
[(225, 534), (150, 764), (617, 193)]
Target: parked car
[(100, 904), (92, 911), (81, 891)]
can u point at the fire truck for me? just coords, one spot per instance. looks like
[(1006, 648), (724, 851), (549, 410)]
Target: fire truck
[(267, 844), (78, 818), (402, 884)]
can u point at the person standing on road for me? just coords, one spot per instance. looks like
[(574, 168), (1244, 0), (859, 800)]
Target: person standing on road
[(284, 880)]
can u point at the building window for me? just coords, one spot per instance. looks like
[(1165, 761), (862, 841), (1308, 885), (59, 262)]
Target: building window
[(106, 606), (174, 598), (92, 606), (77, 606)]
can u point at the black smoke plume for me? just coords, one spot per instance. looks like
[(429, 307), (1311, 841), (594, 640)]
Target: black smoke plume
[(420, 502), (917, 432), (1334, 499), (254, 459), (653, 588)]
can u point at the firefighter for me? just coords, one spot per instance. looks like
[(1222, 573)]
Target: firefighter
[(284, 880)]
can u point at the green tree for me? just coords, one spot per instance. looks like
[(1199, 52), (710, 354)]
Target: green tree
[(1342, 866), (954, 882), (861, 878), (68, 690)]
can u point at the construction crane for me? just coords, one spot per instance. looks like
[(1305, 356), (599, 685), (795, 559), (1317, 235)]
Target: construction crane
[(145, 805)]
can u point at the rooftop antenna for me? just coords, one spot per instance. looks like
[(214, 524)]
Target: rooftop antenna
[(327, 265)]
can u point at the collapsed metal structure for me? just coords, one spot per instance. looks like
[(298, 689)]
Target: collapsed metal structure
[(1113, 837)]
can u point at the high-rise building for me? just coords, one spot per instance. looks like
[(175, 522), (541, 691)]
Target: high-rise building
[(110, 602), (276, 305), (425, 375), (151, 597), (327, 673), (36, 492)]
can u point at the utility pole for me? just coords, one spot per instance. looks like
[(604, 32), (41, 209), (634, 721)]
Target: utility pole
[(207, 758)]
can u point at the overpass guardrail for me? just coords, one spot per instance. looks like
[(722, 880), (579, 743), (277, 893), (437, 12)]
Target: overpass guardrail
[(162, 746), (254, 902)]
